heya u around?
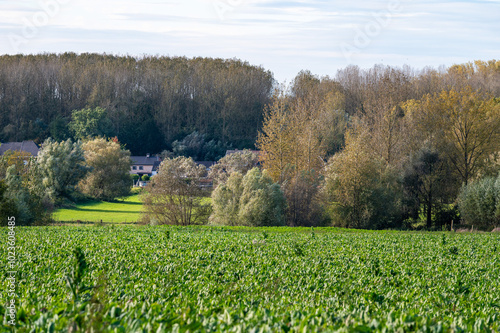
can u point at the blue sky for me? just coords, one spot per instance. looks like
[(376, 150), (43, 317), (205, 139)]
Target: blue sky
[(282, 36)]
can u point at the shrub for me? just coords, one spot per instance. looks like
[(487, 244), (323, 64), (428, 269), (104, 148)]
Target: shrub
[(145, 178), (23, 195), (8, 207), (252, 200)]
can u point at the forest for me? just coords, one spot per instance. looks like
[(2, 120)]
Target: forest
[(150, 101)]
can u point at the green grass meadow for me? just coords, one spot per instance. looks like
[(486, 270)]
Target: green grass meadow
[(126, 210)]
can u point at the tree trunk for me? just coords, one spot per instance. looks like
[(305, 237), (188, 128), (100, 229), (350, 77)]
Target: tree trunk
[(429, 211)]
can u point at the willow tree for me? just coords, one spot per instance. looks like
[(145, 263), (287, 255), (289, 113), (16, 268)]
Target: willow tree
[(62, 166)]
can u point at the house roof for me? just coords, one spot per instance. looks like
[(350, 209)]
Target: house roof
[(206, 164), (144, 160), (26, 146), (156, 165)]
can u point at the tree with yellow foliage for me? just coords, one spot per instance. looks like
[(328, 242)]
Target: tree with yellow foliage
[(110, 167), (356, 188), (464, 124), (276, 140)]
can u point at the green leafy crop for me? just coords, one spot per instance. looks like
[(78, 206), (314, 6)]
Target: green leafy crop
[(209, 279)]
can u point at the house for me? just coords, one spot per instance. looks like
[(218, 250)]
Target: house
[(145, 165), (25, 146)]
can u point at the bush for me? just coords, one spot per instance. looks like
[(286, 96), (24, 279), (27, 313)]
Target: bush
[(479, 203), (24, 196), (252, 200), (145, 178), (7, 205)]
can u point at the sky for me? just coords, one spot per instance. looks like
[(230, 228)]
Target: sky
[(282, 36)]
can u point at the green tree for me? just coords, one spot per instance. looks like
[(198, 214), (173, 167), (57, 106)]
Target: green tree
[(88, 123), (426, 184), (226, 201), (59, 130), (26, 195), (109, 175), (8, 207), (174, 195), (62, 166), (195, 145), (252, 200)]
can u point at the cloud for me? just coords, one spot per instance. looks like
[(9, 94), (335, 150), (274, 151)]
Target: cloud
[(285, 36)]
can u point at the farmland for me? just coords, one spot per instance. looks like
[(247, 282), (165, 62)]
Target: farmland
[(155, 279)]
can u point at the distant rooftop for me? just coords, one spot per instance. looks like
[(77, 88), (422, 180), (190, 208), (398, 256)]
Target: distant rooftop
[(206, 164), (156, 166), (144, 160), (26, 146)]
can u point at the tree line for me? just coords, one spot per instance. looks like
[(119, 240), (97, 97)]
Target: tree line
[(379, 148), (384, 147), (63, 173), (150, 102)]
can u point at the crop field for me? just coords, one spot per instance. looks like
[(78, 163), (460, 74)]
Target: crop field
[(206, 279)]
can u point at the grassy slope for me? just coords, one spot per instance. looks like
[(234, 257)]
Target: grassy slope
[(127, 210)]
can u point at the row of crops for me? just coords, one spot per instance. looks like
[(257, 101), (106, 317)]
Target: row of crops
[(202, 279)]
